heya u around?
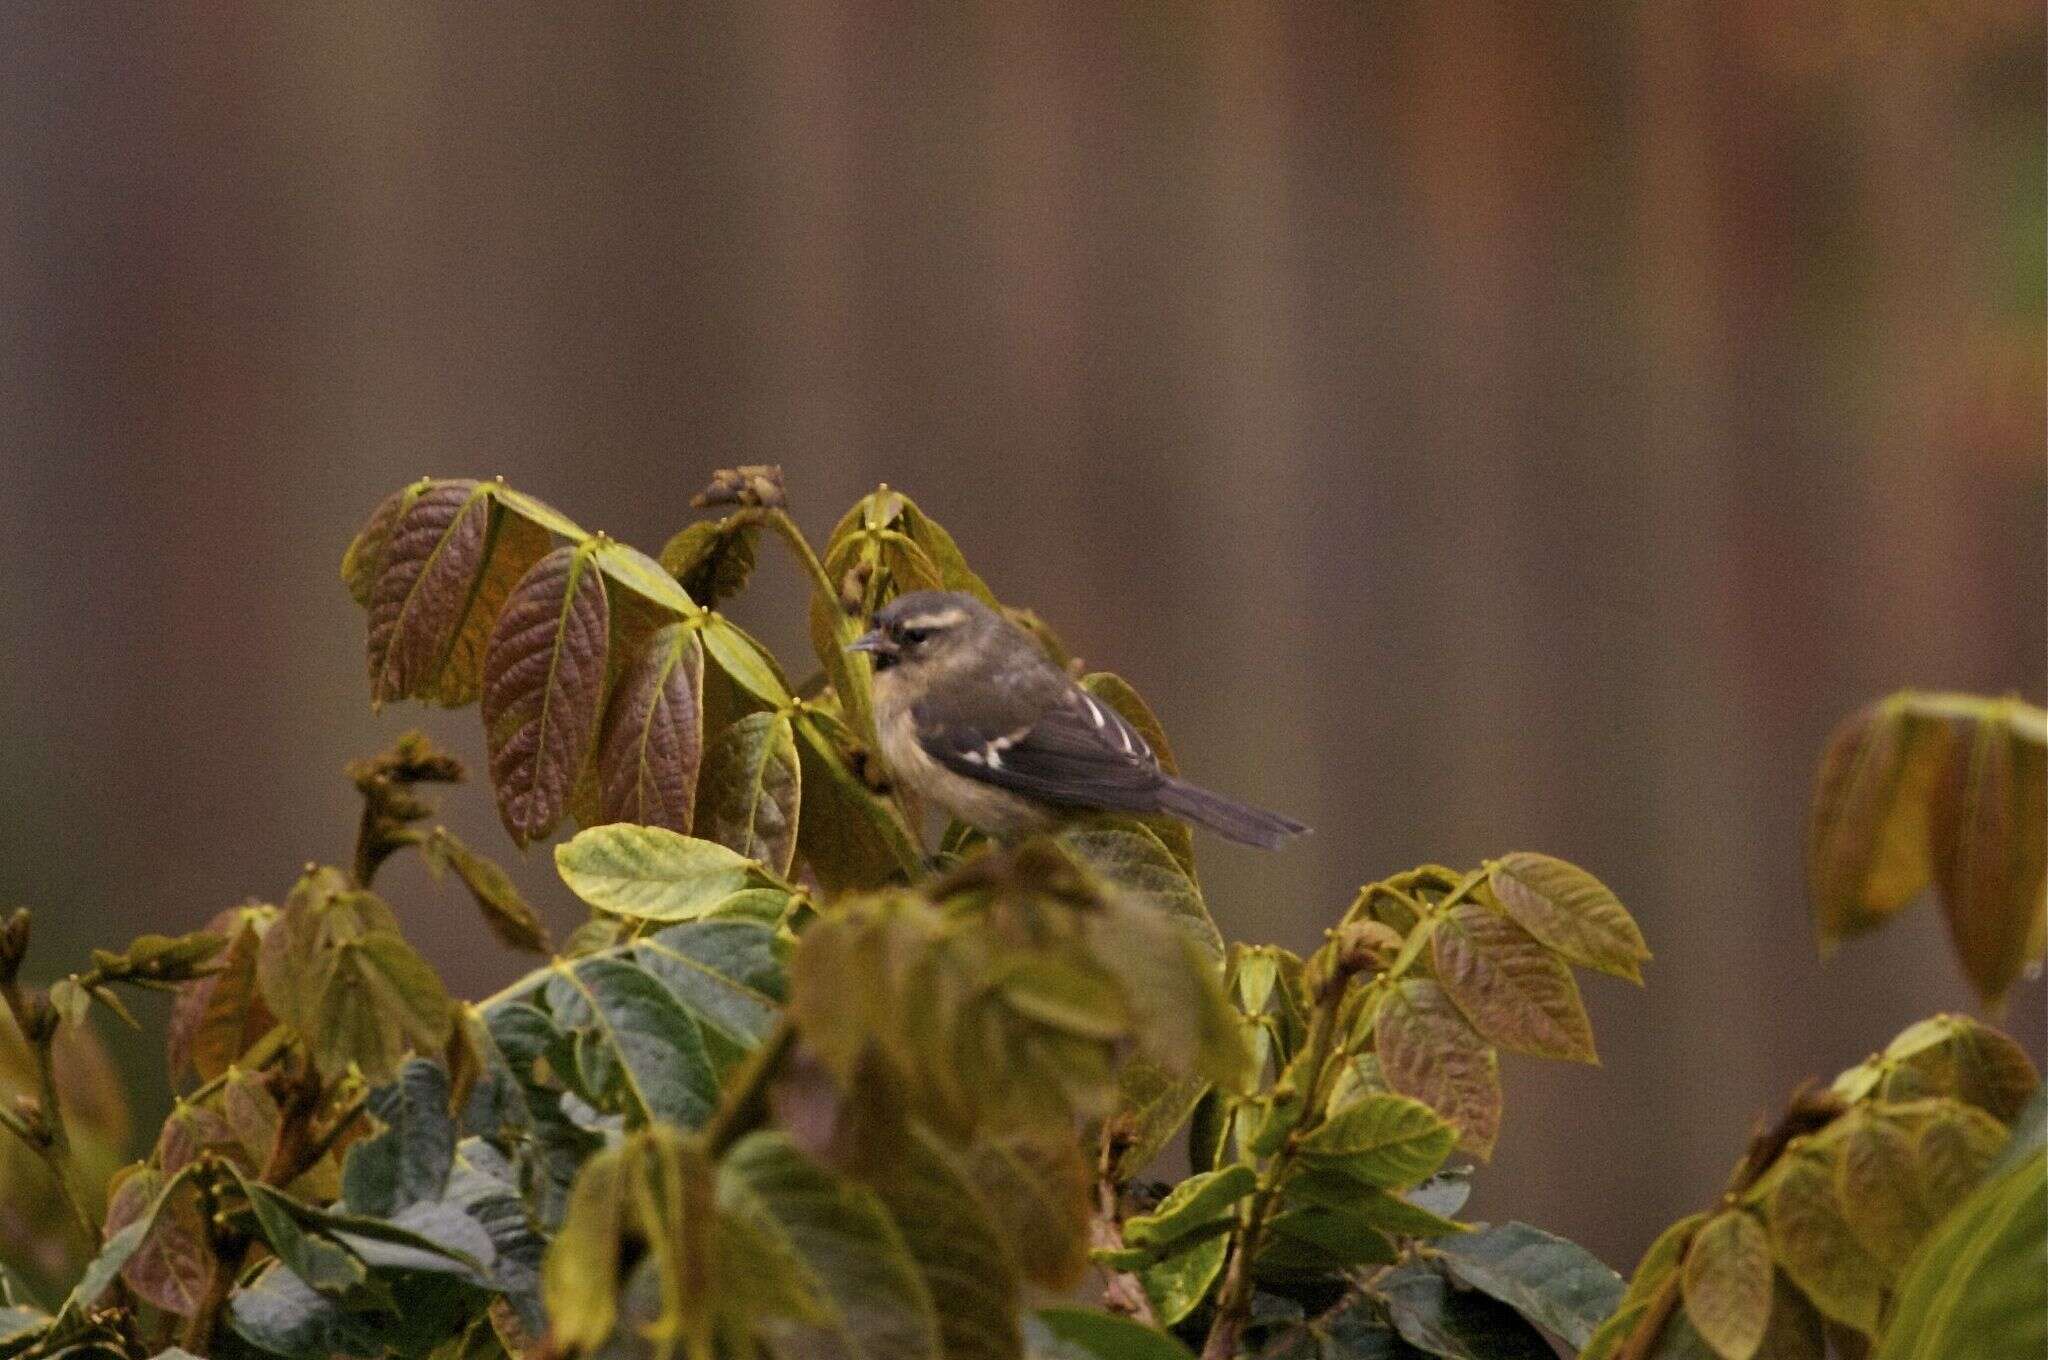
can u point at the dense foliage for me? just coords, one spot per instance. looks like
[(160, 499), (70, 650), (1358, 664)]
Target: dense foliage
[(797, 1088)]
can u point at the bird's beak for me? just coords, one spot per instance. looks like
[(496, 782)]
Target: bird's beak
[(874, 640)]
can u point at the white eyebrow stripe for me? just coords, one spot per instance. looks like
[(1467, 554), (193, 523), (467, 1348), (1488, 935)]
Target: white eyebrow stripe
[(1093, 711), (944, 618)]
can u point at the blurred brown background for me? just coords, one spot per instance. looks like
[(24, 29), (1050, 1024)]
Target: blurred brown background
[(1475, 426)]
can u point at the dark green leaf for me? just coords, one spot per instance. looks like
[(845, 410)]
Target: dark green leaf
[(1558, 1285), (659, 1053), (409, 1159), (712, 559), (1456, 1324), (1194, 1203), (1177, 1283)]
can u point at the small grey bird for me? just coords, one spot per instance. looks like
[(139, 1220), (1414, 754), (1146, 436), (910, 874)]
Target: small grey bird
[(977, 720)]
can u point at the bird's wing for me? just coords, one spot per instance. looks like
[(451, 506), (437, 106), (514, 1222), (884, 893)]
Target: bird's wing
[(1078, 751)]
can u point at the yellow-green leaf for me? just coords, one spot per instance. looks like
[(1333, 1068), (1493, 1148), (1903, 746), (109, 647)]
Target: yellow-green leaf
[(1727, 1284), (651, 873), (1513, 990), (1570, 911)]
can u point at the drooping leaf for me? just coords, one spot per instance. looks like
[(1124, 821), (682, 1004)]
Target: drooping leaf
[(1952, 1055), (653, 736), (515, 923), (1153, 1105), (626, 566), (1951, 1152), (1556, 1284), (1131, 858), (745, 661), (363, 562), (1813, 1243), (1330, 1186), (1990, 833), (1384, 1140), (840, 1236), (1455, 1324), (543, 683), (651, 873), (726, 973), (1513, 990), (429, 565), (1727, 1283), (1195, 1203), (1868, 849), (1309, 1241), (1570, 911), (1428, 1051), (712, 559), (1176, 1284), (751, 791)]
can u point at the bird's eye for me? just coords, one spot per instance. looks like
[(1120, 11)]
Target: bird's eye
[(910, 637)]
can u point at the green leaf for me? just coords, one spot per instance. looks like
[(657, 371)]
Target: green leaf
[(1989, 823), (544, 678), (1082, 1334), (1130, 858), (652, 740), (1194, 1203), (661, 1059), (1152, 1105), (1977, 1288), (1954, 1055), (651, 873), (1384, 1140), (725, 972), (371, 999), (1456, 1324), (1876, 1185), (752, 783), (1570, 911), (1727, 1284), (511, 919), (712, 559), (1315, 1240), (840, 1236), (1556, 1284), (1063, 993), (1813, 1243), (850, 836), (746, 661), (1329, 1186), (1513, 990), (1178, 1282), (627, 566), (1428, 1051)]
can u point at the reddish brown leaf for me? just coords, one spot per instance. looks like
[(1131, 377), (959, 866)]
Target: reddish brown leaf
[(543, 682), (363, 563), (653, 733), (171, 1266), (1867, 838), (1428, 1052), (431, 561), (215, 1018), (1514, 990), (1570, 911), (1990, 821)]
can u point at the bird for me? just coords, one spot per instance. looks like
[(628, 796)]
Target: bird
[(974, 717)]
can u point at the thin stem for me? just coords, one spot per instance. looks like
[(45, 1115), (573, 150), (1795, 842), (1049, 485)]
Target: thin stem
[(1234, 1299), (1121, 1290)]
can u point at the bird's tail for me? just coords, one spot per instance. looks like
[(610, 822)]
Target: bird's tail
[(1240, 822)]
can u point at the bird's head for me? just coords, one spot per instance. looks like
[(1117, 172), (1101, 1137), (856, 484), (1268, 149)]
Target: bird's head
[(928, 630)]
